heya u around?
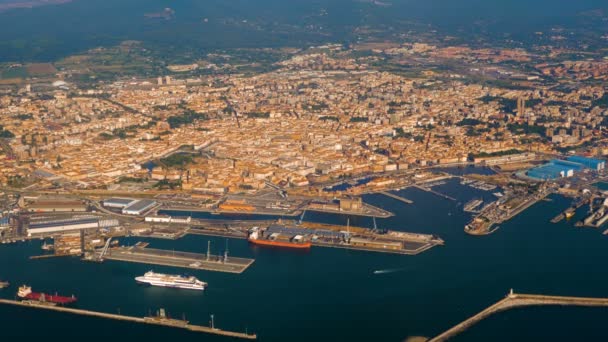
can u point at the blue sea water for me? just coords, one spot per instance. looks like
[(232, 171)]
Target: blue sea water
[(335, 295)]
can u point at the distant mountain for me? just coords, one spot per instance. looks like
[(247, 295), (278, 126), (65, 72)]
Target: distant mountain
[(50, 32)]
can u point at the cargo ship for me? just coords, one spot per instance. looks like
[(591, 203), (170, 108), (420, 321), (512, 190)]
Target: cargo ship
[(256, 237), (174, 281), (25, 292)]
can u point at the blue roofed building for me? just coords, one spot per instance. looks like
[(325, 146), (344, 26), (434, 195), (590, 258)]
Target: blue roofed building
[(553, 170), (590, 163), (558, 168)]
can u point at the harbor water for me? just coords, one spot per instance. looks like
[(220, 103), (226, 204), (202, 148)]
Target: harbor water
[(328, 294)]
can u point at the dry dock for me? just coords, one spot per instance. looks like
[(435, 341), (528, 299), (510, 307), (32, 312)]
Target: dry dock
[(517, 300), (177, 259), (146, 320)]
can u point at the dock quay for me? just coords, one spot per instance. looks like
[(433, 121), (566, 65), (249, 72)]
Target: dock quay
[(558, 218), (219, 232), (160, 320), (345, 237), (472, 206), (48, 256), (492, 214), (434, 192), (597, 218), (366, 211), (398, 198), (207, 262), (517, 300)]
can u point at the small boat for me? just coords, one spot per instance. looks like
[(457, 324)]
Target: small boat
[(4, 284)]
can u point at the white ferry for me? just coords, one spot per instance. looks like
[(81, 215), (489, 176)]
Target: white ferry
[(175, 281)]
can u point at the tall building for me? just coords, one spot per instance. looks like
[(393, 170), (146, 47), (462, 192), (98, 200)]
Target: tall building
[(159, 81), (167, 80), (521, 106)]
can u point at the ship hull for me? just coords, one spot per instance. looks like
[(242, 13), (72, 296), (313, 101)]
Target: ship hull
[(272, 243), (61, 300), (174, 286)]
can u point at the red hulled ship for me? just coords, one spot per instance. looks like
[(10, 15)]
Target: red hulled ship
[(25, 292)]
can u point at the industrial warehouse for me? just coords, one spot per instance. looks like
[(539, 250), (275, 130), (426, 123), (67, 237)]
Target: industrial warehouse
[(46, 227), (558, 168), (130, 206)]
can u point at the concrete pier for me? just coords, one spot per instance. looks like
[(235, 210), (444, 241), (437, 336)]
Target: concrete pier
[(177, 259), (145, 320), (517, 300), (434, 192), (398, 198)]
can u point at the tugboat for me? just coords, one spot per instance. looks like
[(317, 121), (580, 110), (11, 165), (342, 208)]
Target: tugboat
[(25, 293)]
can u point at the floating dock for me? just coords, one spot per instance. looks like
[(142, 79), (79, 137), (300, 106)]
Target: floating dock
[(167, 322), (207, 262)]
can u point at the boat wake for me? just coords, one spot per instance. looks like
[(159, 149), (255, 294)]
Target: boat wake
[(391, 270)]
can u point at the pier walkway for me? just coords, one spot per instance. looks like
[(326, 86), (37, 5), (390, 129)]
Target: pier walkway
[(145, 320), (398, 198), (434, 192), (517, 300)]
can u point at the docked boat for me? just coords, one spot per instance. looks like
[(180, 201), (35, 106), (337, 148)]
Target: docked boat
[(25, 293), (570, 213), (4, 284), (174, 281), (256, 237)]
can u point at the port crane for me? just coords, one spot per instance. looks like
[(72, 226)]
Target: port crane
[(302, 217), (105, 249)]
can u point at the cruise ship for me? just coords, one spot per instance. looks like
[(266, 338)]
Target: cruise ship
[(175, 281)]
